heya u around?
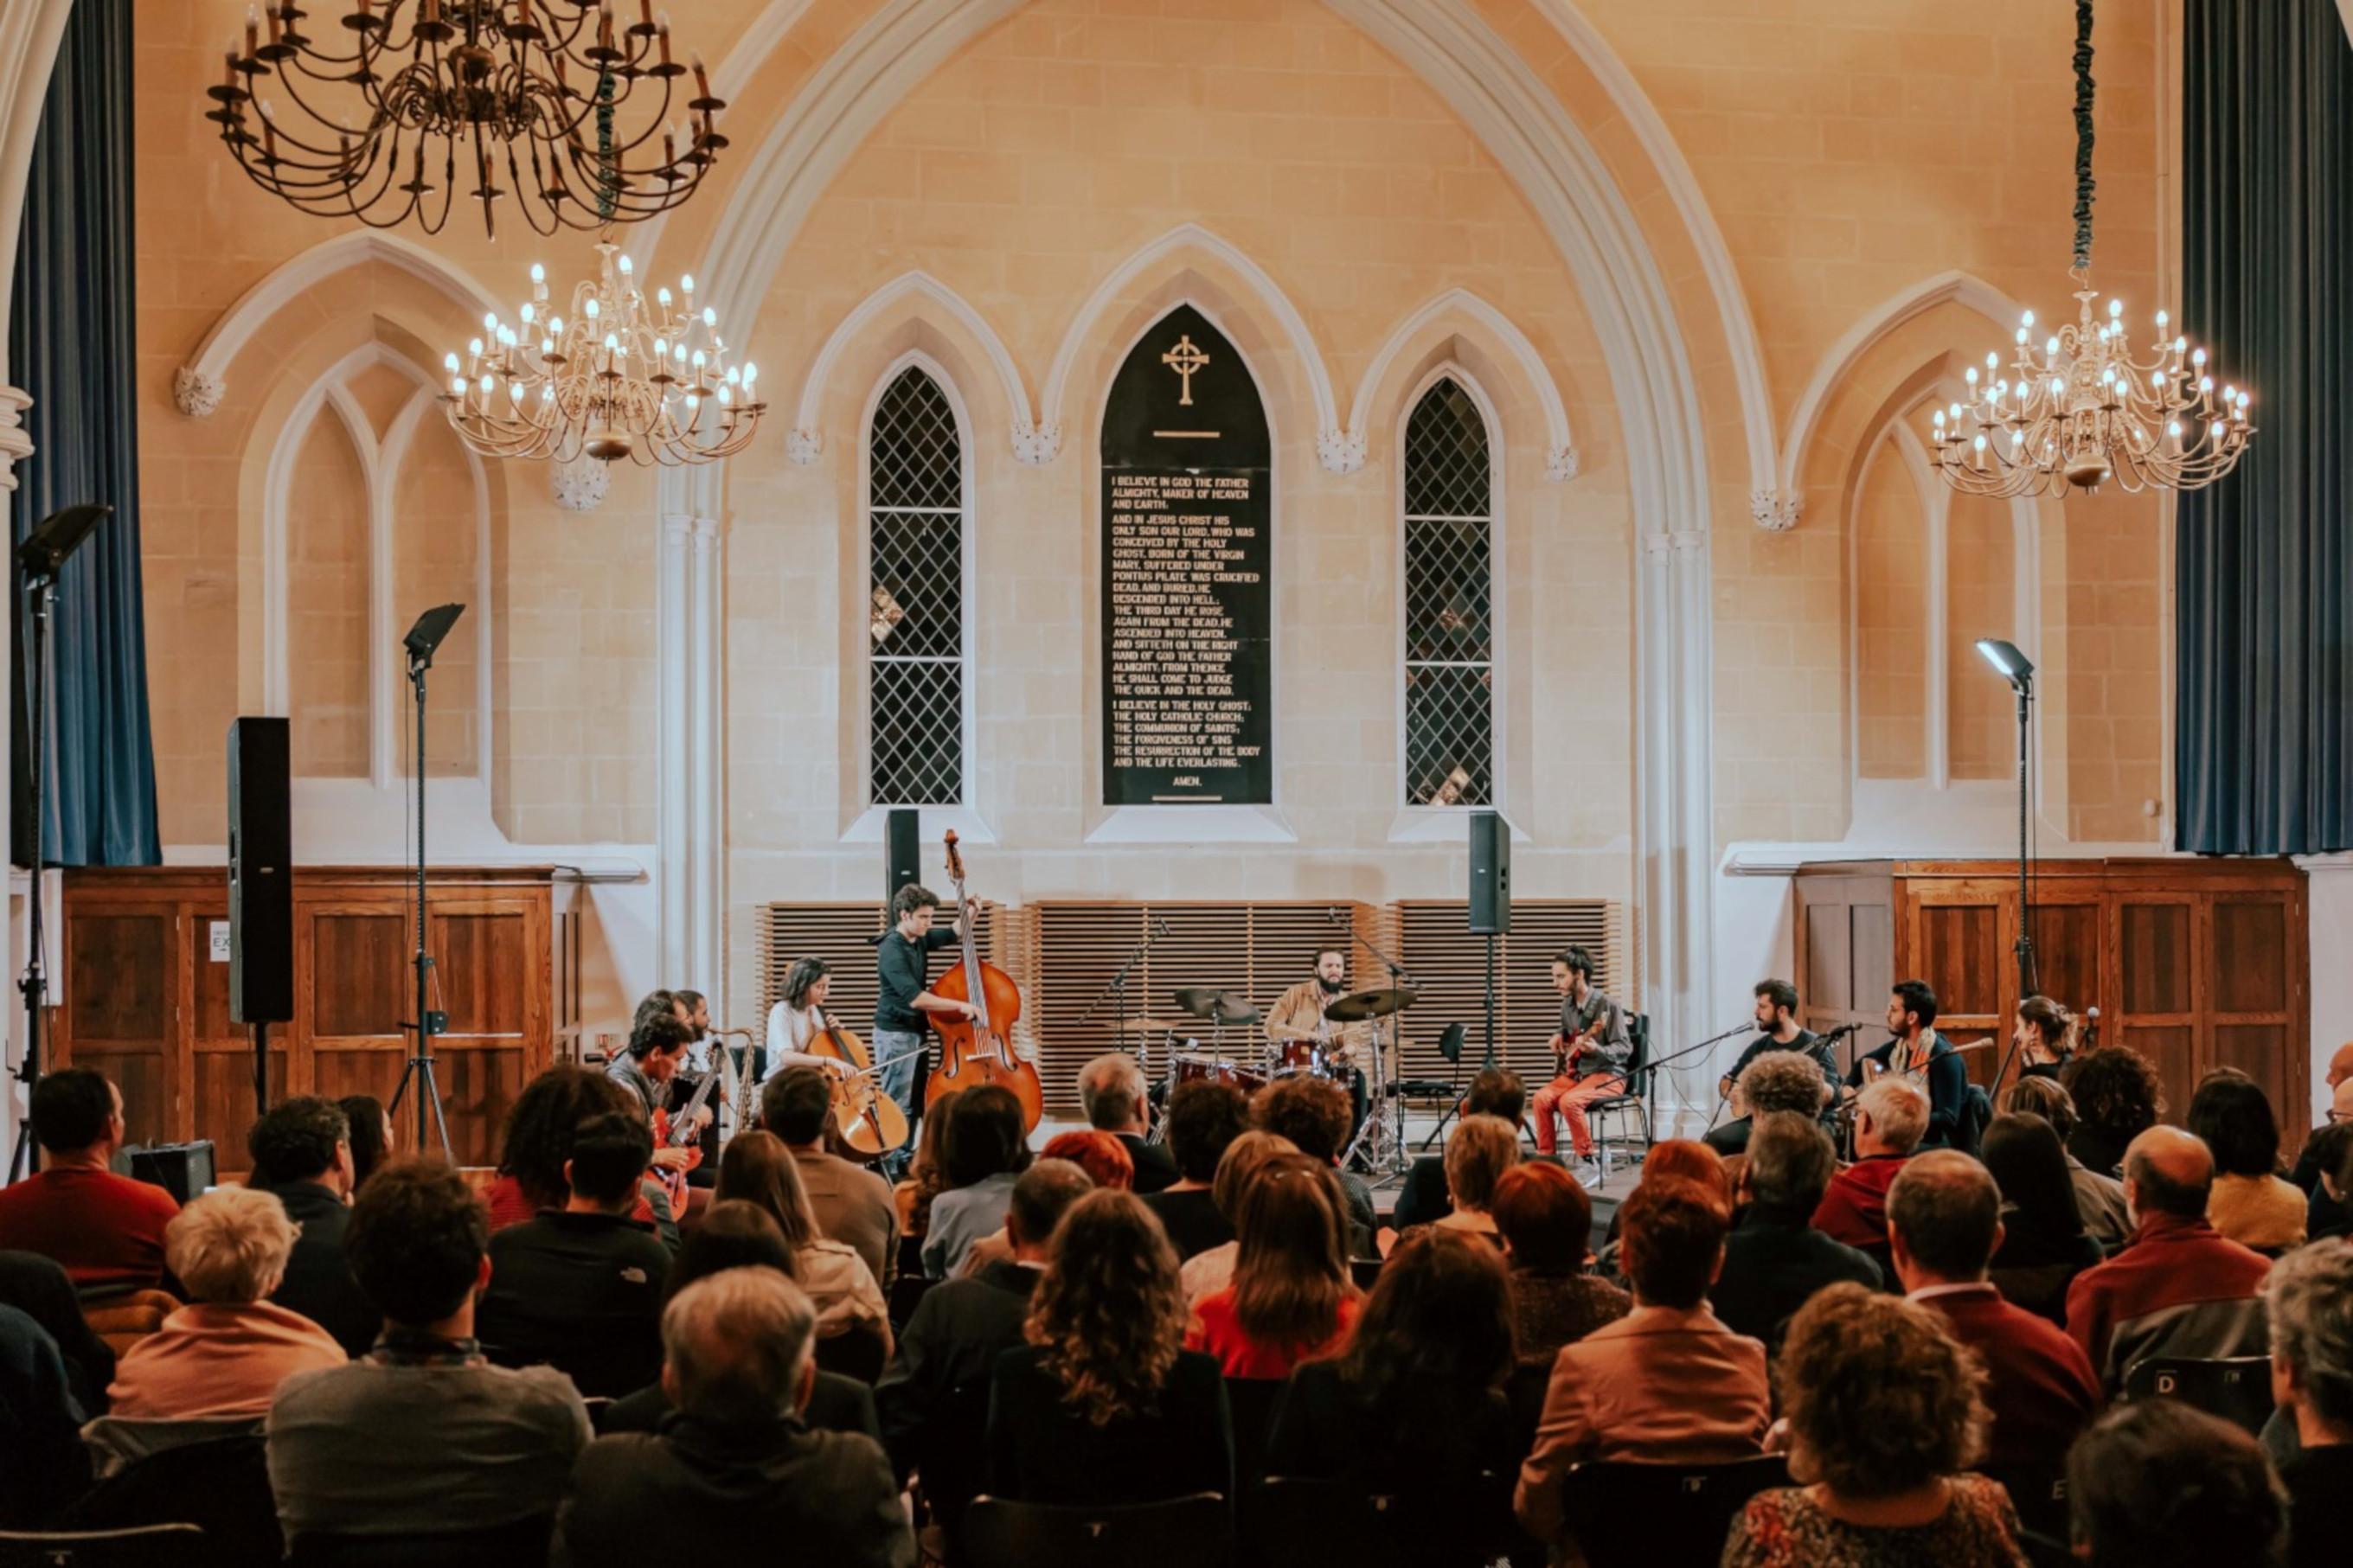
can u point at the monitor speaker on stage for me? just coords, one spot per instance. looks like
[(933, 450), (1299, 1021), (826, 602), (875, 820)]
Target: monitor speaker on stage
[(183, 1170), (904, 845), (1491, 874), (260, 874)]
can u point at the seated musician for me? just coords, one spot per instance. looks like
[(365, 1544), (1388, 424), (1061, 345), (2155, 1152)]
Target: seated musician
[(796, 1020), (1929, 1058), (1297, 1014), (1777, 1018), (1592, 1050), (650, 1070)]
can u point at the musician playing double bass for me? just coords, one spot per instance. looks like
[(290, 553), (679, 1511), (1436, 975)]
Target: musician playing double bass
[(904, 1003), (1297, 1014), (1926, 1056)]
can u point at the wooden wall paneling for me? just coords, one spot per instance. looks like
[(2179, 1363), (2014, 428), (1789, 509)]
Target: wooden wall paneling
[(1846, 950), (2153, 941), (120, 1010), (220, 1053), (2254, 998), (1962, 933)]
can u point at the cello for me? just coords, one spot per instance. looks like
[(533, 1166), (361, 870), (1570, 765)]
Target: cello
[(869, 1123), (980, 1050)]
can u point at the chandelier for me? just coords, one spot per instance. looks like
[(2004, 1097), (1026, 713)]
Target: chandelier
[(619, 377), (433, 90), (2084, 410)]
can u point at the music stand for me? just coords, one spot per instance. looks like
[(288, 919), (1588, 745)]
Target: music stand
[(422, 638)]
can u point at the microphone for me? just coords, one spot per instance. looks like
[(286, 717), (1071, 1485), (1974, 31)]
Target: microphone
[(1331, 915)]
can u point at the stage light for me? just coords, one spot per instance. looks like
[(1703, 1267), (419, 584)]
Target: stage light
[(2007, 662)]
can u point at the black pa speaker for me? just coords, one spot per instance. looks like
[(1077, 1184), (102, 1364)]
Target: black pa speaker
[(260, 874), (182, 1170), (1491, 874), (902, 839)]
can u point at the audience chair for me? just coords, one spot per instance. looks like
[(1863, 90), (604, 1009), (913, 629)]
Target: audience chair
[(1195, 1532), (149, 1546), (123, 1321), (1631, 1108), (1366, 1271), (2236, 1388), (858, 1353), (1252, 1403), (219, 1485), (950, 1455), (1641, 1516), (525, 1541), (907, 1293), (2039, 1495), (1292, 1521)]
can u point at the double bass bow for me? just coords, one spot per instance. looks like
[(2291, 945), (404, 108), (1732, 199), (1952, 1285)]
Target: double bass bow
[(869, 1123), (980, 1050)]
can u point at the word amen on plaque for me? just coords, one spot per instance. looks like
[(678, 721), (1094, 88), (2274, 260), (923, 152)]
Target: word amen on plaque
[(1187, 677)]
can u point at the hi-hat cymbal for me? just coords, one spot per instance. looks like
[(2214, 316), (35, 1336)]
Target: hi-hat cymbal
[(1363, 1005)]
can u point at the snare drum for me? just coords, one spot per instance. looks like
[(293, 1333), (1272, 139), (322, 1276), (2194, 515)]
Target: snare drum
[(1296, 1057), (1190, 1068)]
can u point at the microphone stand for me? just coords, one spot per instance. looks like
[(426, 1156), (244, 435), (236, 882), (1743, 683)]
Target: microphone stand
[(1116, 989), (1669, 1060)]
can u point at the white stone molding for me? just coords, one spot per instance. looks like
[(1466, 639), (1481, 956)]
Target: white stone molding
[(1560, 443), (689, 684), (808, 438), (580, 484), (1340, 451), (1875, 325), (207, 371), (15, 447), (1037, 445), (1775, 513), (29, 33)]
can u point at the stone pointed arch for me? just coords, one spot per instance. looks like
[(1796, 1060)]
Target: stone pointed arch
[(806, 439), (1560, 445)]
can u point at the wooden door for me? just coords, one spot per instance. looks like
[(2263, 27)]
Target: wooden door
[(2156, 942), (125, 962), (1961, 936), (2251, 1006)]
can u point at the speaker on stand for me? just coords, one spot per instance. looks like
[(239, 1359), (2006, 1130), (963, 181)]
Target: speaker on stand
[(261, 886), (1490, 897), (902, 847)]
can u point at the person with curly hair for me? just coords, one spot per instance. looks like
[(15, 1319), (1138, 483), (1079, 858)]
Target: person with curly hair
[(2155, 1482), (1885, 1415), (1104, 1405), (1775, 1261), (1773, 1080), (2099, 1198), (537, 1144), (1292, 1299), (2117, 1097)]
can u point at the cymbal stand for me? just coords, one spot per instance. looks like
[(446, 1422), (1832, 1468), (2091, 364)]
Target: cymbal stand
[(1381, 1139)]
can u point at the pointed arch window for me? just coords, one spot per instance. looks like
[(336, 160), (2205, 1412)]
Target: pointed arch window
[(1450, 620), (917, 648)]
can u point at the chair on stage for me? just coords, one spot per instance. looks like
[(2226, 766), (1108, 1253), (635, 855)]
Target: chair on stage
[(1291, 1520), (2236, 1388), (149, 1546), (1643, 1516), (1195, 1532), (501, 1546), (1603, 1115)]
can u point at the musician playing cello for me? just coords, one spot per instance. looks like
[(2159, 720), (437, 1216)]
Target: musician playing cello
[(1297, 1014), (796, 1020), (904, 1001), (1592, 1050), (1917, 1049)]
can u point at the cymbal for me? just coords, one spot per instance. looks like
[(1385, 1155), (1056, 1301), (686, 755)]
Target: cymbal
[(1232, 1012), (1155, 1026), (1363, 1005), (1203, 1001)]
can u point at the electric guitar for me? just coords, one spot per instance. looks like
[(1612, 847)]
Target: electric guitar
[(1564, 1052), (682, 1132)]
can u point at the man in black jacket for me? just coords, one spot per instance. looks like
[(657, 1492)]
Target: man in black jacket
[(1775, 1261), (301, 1152), (737, 1475), (1110, 1091)]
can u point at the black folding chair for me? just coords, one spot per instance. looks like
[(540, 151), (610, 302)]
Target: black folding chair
[(1195, 1532), (2236, 1388), (1601, 1115), (1252, 1403), (1294, 1520), (1662, 1516), (148, 1546), (2040, 1496), (500, 1546), (219, 1485)]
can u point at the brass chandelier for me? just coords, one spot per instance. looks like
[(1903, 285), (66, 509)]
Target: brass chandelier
[(2084, 410), (621, 378), (521, 98)]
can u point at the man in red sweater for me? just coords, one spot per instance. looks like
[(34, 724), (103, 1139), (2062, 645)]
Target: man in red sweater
[(1890, 1116), (1944, 1219), (2179, 1287), (107, 1230)]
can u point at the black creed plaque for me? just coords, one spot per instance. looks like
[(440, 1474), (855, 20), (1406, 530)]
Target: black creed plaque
[(1187, 677)]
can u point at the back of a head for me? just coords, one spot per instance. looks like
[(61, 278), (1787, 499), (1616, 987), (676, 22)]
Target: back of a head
[(416, 1240), (2308, 1299), (1689, 1158), (757, 1168), (732, 1234), (1204, 1118), (542, 1122), (365, 1116), (1043, 1196), (295, 1139), (2155, 1482), (1545, 1217), (1497, 1091), (1101, 1155), (1482, 1150), (609, 1154), (662, 1032), (2116, 1090), (229, 1245), (1110, 1091), (1671, 1234), (2030, 1165), (1291, 1268), (1313, 1112), (1109, 1310), (797, 1104), (2331, 1153), (1945, 1208), (2171, 1172), (1783, 1081), (70, 1109), (1879, 1397), (1898, 1108), (1790, 1161), (984, 1136), (651, 1005), (2043, 1096), (1434, 1337), (736, 1346), (1242, 1164), (2231, 1112)]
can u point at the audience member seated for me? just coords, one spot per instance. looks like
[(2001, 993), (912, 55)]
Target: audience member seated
[(2328, 1212), (1104, 1405), (2329, 1215), (2179, 1288), (1772, 1081), (43, 1465), (738, 1474), (927, 1173), (1415, 1407), (2251, 1204), (421, 1436), (1112, 1093), (1103, 1157), (302, 1154), (759, 1169), (1944, 1220), (1775, 1259), (40, 1288), (1313, 1113), (741, 1236), (537, 1141), (2158, 1482), (1480, 1150), (2043, 1244), (1882, 1411), (107, 1230), (1292, 1299), (371, 1137), (1890, 1116), (2117, 1097), (1422, 1199), (2307, 1174), (2309, 1301), (1667, 1384), (1546, 1224), (2099, 1198), (1245, 1157), (222, 1356), (851, 1202), (987, 1151), (580, 1287), (1204, 1116)]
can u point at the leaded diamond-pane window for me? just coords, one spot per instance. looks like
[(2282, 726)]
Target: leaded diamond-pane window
[(1449, 672), (915, 623)]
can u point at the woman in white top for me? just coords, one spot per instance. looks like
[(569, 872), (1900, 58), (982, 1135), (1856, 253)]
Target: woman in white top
[(796, 1020), (758, 1168)]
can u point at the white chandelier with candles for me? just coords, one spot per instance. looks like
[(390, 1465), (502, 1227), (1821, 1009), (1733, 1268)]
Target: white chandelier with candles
[(619, 376), (2079, 410)]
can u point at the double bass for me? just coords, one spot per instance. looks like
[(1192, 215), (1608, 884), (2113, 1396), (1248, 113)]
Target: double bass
[(869, 1123), (980, 1050)]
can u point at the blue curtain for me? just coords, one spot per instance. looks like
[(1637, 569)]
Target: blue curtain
[(73, 344), (2264, 564)]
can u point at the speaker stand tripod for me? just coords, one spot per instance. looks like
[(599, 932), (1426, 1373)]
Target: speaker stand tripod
[(422, 638)]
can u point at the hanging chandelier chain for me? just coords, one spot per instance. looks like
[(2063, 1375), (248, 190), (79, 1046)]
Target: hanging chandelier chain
[(2084, 136)]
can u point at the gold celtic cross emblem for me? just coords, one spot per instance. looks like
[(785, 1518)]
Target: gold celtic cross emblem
[(1184, 359)]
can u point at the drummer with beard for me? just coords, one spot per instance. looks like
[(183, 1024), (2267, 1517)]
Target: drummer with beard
[(1297, 1014)]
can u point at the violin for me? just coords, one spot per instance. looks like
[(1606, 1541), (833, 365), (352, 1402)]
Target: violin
[(867, 1123), (980, 1050)]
